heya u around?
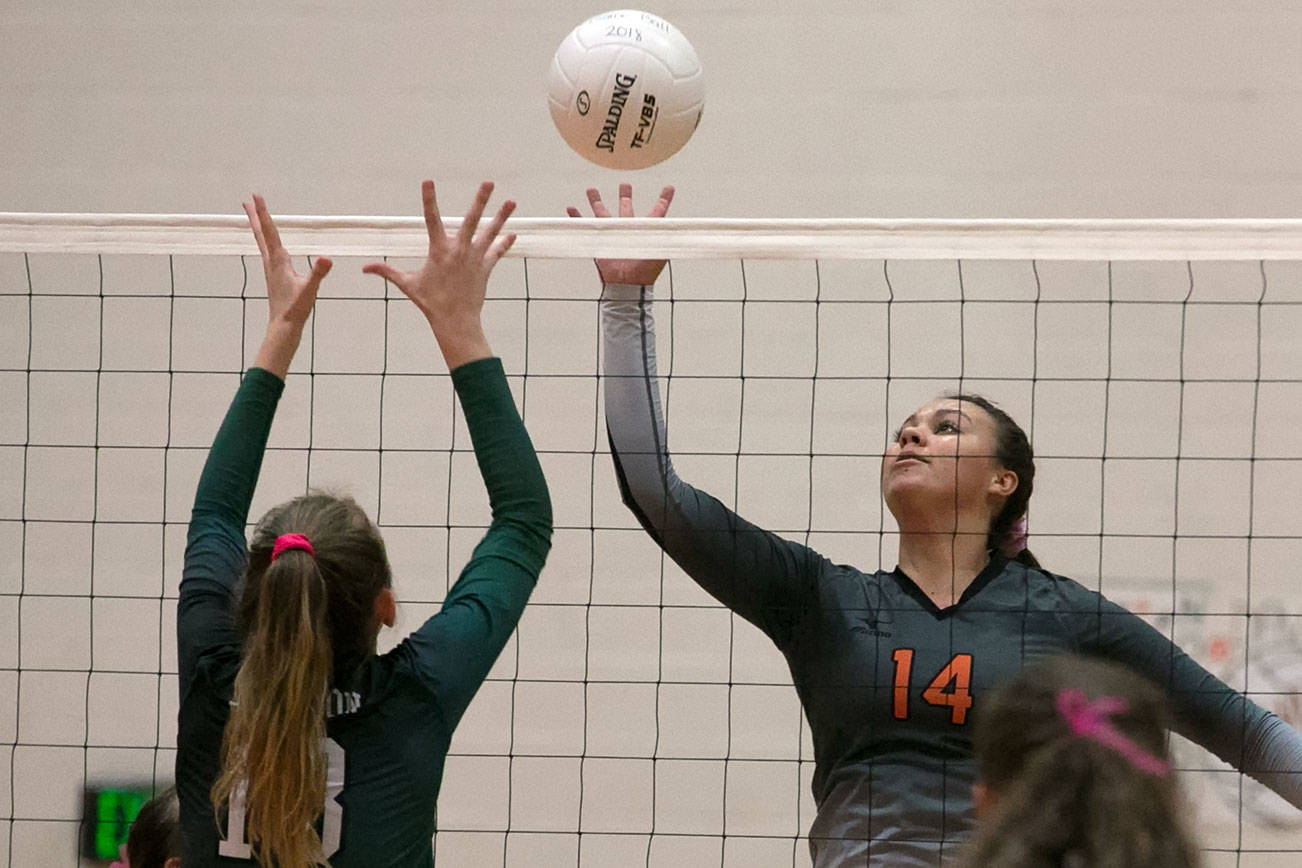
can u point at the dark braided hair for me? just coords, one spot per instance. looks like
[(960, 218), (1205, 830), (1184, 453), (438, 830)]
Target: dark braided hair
[(1013, 450)]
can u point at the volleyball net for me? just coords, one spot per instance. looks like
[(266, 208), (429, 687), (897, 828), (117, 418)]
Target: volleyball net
[(1157, 367)]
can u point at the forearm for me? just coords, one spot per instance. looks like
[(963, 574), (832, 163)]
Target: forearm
[(1206, 710), (1273, 755), (278, 347), (757, 574), (634, 418), (670, 509), (461, 341)]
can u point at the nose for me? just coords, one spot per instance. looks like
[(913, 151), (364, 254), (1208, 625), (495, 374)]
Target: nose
[(912, 435)]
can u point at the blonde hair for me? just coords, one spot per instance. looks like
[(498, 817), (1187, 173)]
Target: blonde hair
[(308, 621)]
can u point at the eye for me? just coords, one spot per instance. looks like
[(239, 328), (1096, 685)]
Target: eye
[(896, 436), (946, 425)]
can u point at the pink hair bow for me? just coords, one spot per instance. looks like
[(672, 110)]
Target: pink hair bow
[(1093, 720)]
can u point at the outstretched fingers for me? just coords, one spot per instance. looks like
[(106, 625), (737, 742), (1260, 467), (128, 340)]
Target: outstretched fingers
[(598, 207), (256, 226), (489, 235), (270, 236), (661, 207), (498, 250), (625, 207), (320, 268), (430, 207), (471, 221), (385, 270)]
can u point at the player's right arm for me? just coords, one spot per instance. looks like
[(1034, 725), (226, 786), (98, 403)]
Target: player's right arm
[(456, 647), (766, 579)]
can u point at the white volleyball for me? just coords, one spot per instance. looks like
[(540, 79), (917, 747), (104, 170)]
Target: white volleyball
[(626, 89)]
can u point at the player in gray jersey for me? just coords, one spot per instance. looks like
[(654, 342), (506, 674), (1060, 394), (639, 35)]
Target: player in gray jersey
[(889, 664)]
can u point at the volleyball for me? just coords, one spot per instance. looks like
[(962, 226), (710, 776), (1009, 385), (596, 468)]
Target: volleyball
[(626, 89)]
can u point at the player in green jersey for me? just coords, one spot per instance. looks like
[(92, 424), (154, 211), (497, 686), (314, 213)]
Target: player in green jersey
[(297, 743), (1074, 771)]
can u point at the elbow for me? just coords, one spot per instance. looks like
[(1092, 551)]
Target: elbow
[(537, 514), (531, 528), (651, 500), (639, 491)]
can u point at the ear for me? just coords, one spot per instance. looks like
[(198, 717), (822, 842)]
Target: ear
[(1003, 483), (386, 607), (983, 800)]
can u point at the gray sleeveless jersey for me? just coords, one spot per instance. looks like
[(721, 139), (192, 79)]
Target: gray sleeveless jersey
[(888, 681)]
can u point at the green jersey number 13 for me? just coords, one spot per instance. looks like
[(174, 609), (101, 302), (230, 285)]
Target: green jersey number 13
[(332, 822)]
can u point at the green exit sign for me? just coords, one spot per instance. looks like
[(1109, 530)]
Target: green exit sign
[(107, 816)]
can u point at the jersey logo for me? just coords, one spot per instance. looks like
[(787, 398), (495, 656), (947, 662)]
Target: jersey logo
[(871, 617), (870, 629)]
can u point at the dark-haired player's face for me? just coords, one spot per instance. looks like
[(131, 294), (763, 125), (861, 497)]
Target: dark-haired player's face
[(942, 455)]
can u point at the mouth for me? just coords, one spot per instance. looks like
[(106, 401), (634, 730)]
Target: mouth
[(905, 457)]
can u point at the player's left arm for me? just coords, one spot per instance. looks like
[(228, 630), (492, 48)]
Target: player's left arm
[(1206, 710), (215, 546)]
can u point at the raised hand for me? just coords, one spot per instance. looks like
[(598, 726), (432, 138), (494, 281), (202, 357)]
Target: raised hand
[(638, 272), (449, 287), (290, 295)]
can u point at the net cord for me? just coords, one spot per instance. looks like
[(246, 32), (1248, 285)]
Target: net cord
[(676, 238)]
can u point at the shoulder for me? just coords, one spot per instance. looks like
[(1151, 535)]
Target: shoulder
[(408, 669), (1041, 589), (383, 672), (839, 585), (393, 681), (1046, 580), (838, 575), (1078, 611)]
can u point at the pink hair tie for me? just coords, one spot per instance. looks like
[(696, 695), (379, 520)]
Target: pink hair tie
[(1092, 720), (291, 542), (1015, 539)]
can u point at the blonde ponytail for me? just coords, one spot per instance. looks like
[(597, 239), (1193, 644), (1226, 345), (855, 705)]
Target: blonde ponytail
[(307, 609), (272, 745)]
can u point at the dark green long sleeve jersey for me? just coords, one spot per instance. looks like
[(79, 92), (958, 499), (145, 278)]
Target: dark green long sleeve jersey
[(388, 734)]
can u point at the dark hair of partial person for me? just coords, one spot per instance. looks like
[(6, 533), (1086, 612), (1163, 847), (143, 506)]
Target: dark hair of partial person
[(155, 834), (308, 621), (1063, 799), (1013, 451)]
